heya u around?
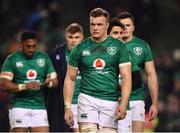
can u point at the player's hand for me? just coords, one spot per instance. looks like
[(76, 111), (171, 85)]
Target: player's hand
[(120, 112), (69, 118), (153, 112), (46, 83), (33, 85)]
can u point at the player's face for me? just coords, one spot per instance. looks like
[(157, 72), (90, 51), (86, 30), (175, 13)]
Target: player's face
[(98, 27), (116, 32), (128, 27), (29, 47), (74, 39)]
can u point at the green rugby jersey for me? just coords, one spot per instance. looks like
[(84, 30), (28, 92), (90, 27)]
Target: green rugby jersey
[(26, 70), (98, 64), (78, 80), (140, 53)]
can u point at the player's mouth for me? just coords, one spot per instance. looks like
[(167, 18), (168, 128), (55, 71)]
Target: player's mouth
[(29, 54)]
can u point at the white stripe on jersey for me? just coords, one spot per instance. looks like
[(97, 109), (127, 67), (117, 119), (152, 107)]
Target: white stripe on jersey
[(7, 75), (124, 64)]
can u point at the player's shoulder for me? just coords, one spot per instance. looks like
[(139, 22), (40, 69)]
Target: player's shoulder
[(42, 54), (140, 41), (14, 54), (84, 43), (111, 39), (115, 42)]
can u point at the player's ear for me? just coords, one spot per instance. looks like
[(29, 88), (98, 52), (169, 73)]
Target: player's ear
[(133, 27), (107, 25), (82, 36)]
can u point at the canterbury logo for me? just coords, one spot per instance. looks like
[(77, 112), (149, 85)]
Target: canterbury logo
[(86, 53)]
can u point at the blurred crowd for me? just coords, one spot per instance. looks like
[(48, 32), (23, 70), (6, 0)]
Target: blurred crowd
[(49, 18), (168, 72)]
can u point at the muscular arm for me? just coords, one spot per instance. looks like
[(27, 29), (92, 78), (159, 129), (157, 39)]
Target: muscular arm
[(69, 84), (152, 81), (9, 86), (68, 94), (125, 72), (153, 87)]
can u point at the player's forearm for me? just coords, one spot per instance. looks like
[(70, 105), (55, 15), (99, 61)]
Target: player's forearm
[(152, 81), (68, 91), (153, 88), (9, 86), (125, 91), (126, 86), (13, 87)]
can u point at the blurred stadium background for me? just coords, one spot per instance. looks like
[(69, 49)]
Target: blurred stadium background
[(156, 21)]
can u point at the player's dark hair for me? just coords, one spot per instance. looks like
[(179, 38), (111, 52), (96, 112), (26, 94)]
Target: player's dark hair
[(114, 22), (98, 12), (124, 15), (74, 28), (28, 34)]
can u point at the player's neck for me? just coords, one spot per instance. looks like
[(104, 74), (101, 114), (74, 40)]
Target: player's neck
[(127, 39), (100, 39)]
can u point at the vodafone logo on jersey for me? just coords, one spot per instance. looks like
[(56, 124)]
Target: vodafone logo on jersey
[(31, 74), (99, 64)]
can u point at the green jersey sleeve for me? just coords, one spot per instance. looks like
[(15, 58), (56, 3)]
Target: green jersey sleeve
[(50, 67), (148, 54), (7, 66), (124, 55), (74, 57)]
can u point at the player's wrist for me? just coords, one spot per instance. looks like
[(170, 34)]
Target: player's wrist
[(67, 105), (122, 104), (21, 87), (155, 105)]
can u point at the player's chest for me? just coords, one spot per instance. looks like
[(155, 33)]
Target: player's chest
[(99, 55), (24, 66), (136, 53)]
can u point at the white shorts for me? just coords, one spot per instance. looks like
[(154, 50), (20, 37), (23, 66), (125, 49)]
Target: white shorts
[(138, 110), (125, 125), (98, 111), (22, 117), (74, 110)]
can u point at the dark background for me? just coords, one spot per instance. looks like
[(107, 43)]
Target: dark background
[(156, 21)]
